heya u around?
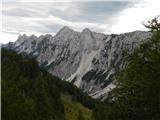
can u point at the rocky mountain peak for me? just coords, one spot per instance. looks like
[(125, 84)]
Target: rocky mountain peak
[(25, 37), (86, 30), (65, 29), (22, 36), (87, 59)]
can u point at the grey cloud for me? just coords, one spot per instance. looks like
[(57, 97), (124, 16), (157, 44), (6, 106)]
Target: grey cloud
[(48, 27), (20, 12), (21, 9), (87, 12), (93, 11)]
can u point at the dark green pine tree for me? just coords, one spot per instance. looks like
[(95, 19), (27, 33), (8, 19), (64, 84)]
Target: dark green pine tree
[(137, 96)]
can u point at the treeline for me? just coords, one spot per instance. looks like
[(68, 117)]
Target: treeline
[(137, 95), (31, 93)]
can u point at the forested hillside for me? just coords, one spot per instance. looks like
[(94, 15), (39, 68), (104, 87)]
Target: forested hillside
[(30, 93)]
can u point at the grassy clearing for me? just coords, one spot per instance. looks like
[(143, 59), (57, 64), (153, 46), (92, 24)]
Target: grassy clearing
[(73, 108)]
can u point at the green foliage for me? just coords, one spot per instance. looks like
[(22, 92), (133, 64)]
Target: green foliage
[(76, 93), (80, 116), (31, 93), (137, 96), (25, 94), (72, 109)]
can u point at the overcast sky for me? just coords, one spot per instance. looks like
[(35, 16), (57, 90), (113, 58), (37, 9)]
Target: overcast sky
[(48, 16)]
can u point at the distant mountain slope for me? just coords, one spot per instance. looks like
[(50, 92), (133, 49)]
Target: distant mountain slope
[(87, 59), (30, 93)]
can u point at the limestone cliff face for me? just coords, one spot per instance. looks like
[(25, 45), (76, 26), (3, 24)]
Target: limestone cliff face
[(88, 59)]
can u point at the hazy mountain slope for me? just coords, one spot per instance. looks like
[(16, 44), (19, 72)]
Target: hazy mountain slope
[(87, 59), (30, 93)]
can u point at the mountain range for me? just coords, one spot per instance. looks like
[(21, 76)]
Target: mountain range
[(88, 59)]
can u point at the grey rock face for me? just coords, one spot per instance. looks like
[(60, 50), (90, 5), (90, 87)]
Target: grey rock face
[(88, 59)]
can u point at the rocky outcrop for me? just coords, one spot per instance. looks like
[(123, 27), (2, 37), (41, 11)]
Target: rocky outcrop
[(87, 59)]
